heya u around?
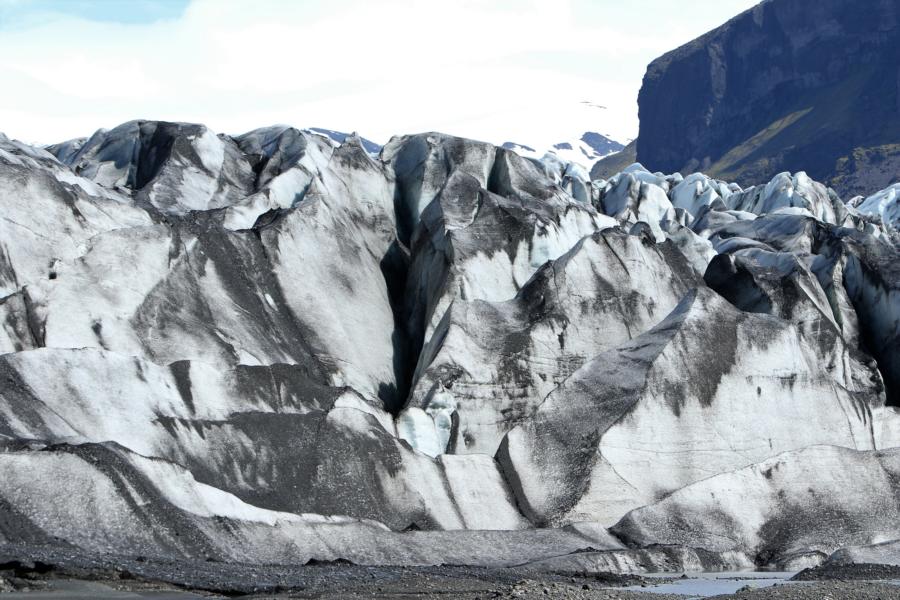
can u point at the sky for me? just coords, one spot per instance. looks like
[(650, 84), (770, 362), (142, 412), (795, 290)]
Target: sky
[(534, 72)]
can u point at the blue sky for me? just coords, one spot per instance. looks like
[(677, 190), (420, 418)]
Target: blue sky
[(497, 70), (28, 13)]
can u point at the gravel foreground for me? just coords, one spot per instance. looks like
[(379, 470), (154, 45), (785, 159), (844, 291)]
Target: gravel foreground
[(430, 587), (37, 573)]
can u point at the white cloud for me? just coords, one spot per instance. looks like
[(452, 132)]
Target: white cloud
[(495, 70)]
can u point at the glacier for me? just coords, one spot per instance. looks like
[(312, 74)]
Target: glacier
[(278, 348)]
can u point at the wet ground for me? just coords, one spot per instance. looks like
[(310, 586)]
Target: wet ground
[(66, 589)]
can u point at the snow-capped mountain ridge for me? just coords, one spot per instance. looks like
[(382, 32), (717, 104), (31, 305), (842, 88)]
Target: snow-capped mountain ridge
[(340, 137), (583, 151)]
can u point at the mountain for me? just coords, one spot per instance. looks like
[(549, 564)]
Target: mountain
[(785, 86), (584, 151), (271, 349), (615, 163)]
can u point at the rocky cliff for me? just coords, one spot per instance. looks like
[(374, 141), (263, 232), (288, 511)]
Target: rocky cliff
[(271, 348), (785, 86)]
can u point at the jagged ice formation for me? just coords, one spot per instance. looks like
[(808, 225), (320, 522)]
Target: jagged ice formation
[(275, 348)]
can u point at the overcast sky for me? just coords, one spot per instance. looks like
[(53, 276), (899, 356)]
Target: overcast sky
[(530, 71)]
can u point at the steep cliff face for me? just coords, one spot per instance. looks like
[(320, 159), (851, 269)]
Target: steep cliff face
[(789, 84)]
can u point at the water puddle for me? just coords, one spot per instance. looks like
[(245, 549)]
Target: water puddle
[(703, 585)]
